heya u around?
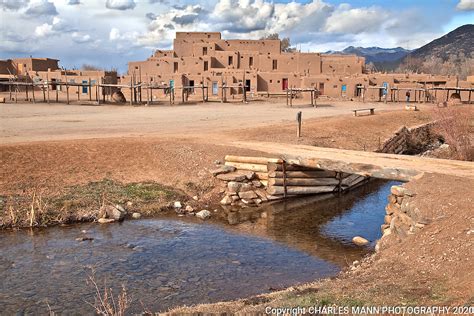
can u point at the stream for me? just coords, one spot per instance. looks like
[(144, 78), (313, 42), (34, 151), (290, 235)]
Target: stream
[(170, 261)]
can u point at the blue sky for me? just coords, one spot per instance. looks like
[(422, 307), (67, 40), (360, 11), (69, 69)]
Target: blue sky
[(109, 33)]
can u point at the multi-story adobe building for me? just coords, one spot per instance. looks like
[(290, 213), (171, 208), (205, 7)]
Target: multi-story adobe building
[(204, 58)]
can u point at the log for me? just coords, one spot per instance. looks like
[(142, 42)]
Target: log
[(303, 181), (277, 190), (261, 175), (247, 166), (252, 160), (303, 174), (350, 180), (279, 167), (264, 182)]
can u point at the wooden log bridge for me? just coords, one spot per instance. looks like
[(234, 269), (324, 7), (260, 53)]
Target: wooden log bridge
[(369, 164)]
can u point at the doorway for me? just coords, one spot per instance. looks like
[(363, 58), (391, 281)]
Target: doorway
[(284, 84)]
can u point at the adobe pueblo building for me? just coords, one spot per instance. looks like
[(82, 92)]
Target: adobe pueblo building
[(260, 67), (20, 78)]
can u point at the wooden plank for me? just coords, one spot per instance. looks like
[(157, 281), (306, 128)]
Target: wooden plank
[(377, 165), (303, 181), (297, 190), (247, 166), (302, 174), (289, 167), (254, 160)]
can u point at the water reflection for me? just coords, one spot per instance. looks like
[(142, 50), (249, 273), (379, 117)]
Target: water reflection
[(321, 225), (168, 262)]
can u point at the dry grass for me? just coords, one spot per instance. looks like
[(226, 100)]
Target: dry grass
[(82, 203), (456, 125), (106, 303)]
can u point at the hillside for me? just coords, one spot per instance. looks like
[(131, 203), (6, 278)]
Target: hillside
[(457, 42), (451, 54)]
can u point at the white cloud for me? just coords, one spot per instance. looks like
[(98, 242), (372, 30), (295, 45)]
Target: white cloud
[(120, 4), (243, 15), (57, 27), (13, 4), (355, 20), (465, 5), (41, 8), (80, 38), (80, 31)]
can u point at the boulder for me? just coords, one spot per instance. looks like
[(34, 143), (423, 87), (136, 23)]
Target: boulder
[(189, 209), (360, 241), (233, 176), (248, 195), (118, 97), (120, 208), (235, 198), (234, 187), (195, 198), (226, 200), (204, 214), (247, 201), (246, 187), (391, 209), (400, 191), (177, 204), (249, 174), (257, 184), (115, 213), (222, 170), (105, 220), (136, 215)]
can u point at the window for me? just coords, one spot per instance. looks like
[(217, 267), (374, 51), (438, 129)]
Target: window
[(250, 61), (275, 64), (204, 50), (231, 60), (175, 67), (206, 66), (271, 81)]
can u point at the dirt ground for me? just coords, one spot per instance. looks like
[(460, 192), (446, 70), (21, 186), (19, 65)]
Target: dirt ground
[(180, 160), (50, 147), (40, 122)]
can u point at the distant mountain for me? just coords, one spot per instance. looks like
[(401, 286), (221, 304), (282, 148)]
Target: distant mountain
[(459, 41), (452, 53), (382, 58)]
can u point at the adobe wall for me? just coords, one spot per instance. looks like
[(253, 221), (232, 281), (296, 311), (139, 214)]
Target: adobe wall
[(7, 67)]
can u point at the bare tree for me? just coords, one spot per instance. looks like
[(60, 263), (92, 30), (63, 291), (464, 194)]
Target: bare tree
[(90, 67)]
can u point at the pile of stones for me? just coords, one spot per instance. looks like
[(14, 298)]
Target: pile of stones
[(242, 187)]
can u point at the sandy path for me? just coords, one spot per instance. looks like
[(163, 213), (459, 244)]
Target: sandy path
[(41, 122)]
